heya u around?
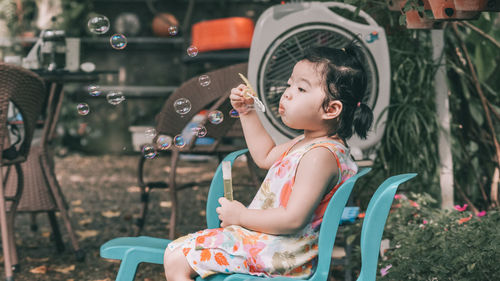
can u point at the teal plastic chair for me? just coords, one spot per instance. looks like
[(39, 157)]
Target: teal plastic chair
[(134, 250), (374, 223)]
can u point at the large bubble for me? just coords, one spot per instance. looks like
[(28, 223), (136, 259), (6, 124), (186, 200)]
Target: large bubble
[(118, 41), (98, 24), (182, 106)]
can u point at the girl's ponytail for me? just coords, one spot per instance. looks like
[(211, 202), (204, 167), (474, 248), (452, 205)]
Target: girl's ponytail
[(362, 119)]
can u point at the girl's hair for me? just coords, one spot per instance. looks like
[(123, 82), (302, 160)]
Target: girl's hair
[(345, 80)]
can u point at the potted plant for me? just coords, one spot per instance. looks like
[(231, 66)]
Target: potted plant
[(446, 10), (477, 5), (417, 15), (395, 5)]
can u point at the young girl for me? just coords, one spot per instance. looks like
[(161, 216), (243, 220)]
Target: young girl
[(277, 234)]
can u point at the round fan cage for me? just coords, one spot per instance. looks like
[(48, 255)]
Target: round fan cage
[(287, 49)]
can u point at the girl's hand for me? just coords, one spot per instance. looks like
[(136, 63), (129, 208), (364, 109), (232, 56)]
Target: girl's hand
[(239, 100), (229, 212)]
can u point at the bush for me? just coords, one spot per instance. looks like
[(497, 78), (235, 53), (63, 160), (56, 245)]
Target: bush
[(427, 243)]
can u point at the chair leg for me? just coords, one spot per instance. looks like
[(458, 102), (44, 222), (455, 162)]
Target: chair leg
[(12, 243), (173, 193), (141, 221), (33, 224), (55, 231), (9, 275), (54, 188)]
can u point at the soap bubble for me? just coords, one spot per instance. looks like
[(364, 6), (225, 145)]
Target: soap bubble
[(215, 117), (118, 41), (182, 106), (200, 131), (192, 51), (98, 24), (204, 80), (83, 109), (163, 142), (149, 151), (172, 30), (94, 90), (234, 113), (115, 97), (179, 141), (150, 132)]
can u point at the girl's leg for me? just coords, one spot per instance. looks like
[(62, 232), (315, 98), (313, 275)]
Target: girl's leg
[(176, 266)]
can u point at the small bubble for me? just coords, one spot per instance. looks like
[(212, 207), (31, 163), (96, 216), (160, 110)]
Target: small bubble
[(179, 141), (192, 51), (200, 131), (98, 24), (204, 80), (94, 90), (172, 30), (150, 132), (118, 41), (234, 113), (182, 106), (115, 97), (149, 151), (163, 142), (215, 117), (83, 109)]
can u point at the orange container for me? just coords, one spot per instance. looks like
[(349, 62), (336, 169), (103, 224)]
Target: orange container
[(220, 34)]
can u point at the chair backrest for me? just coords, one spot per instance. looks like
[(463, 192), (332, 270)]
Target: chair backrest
[(374, 222), (27, 92), (330, 225), (213, 96)]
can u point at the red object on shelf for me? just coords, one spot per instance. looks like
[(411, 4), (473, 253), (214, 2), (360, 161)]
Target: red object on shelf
[(221, 34), (446, 10)]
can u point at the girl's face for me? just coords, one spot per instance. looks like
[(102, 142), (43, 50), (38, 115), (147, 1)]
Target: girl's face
[(301, 105)]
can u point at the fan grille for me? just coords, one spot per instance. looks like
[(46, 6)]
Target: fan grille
[(288, 49)]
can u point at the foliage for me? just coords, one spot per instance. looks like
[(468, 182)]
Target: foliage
[(427, 243), (472, 144)]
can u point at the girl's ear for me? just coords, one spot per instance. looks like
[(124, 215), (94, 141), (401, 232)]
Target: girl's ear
[(333, 110)]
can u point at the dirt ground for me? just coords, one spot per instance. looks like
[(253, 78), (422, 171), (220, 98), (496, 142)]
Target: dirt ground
[(104, 201)]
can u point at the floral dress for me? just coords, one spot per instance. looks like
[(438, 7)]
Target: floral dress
[(235, 249)]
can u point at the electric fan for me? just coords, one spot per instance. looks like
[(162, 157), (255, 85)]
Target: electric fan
[(281, 35)]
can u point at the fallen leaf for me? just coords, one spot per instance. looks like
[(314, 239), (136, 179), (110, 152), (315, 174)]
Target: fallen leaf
[(70, 279), (113, 261), (65, 269), (107, 279), (110, 214), (84, 234), (133, 189), (203, 213), (30, 259), (85, 221), (165, 204), (76, 178), (42, 269), (76, 202), (46, 234), (78, 210)]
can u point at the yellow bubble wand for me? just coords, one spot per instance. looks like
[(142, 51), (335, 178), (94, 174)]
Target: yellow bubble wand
[(251, 93)]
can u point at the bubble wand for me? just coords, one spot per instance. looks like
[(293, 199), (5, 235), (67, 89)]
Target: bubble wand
[(227, 179), (251, 93)]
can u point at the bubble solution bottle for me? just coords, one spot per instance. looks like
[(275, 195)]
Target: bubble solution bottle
[(227, 179)]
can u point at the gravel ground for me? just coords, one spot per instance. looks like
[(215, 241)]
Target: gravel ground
[(103, 200)]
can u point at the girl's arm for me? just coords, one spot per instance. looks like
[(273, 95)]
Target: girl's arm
[(316, 171), (260, 144)]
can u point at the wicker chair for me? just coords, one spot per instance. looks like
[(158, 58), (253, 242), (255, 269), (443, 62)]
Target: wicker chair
[(25, 91), (169, 122)]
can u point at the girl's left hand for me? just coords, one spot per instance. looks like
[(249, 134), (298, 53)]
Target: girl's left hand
[(229, 212)]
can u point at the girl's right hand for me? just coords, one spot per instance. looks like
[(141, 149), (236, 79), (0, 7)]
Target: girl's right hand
[(239, 101)]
